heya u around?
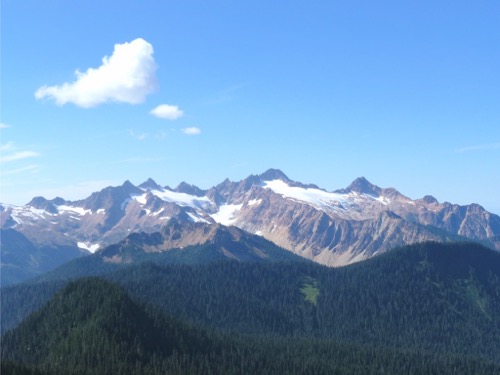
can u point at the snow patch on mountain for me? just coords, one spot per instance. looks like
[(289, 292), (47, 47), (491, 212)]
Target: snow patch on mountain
[(158, 212), (73, 209), (125, 203), (182, 199), (142, 199), (254, 202), (226, 214), (197, 219), (385, 201), (313, 196), (349, 205), (89, 246), (24, 214)]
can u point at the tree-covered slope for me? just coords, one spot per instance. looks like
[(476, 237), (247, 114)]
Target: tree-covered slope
[(87, 317), (436, 297), (93, 327), (439, 299)]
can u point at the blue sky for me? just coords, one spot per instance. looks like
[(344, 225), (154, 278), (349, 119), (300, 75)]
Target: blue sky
[(405, 94)]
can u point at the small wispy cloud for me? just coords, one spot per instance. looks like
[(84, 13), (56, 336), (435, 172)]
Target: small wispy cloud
[(225, 95), (167, 112), (138, 136), (191, 131), (19, 155), (4, 125), (142, 159), (159, 135), (479, 147), (14, 161), (23, 170), (7, 147), (127, 76)]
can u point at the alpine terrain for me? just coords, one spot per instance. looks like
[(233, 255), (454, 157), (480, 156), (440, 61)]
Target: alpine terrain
[(332, 228)]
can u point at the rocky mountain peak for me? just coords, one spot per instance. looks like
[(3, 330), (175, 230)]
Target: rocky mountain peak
[(362, 186), (58, 201), (186, 188), (43, 204), (274, 174), (214, 195), (109, 197), (150, 184), (430, 199), (128, 186)]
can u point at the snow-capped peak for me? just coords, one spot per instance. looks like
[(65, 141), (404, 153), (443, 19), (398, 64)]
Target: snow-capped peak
[(181, 199), (324, 200), (313, 196), (362, 186)]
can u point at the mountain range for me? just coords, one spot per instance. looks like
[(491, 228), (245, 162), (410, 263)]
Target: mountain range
[(332, 228)]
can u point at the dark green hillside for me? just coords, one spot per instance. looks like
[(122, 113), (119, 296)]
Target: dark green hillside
[(86, 310), (246, 297), (21, 299), (437, 300), (93, 327), (18, 301), (442, 298)]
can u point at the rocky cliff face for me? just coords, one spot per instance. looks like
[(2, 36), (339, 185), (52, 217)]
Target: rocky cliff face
[(333, 228)]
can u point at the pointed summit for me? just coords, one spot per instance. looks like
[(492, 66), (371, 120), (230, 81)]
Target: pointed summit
[(128, 185), (111, 197), (430, 199), (43, 204), (150, 184), (274, 174), (186, 188), (58, 201), (362, 186)]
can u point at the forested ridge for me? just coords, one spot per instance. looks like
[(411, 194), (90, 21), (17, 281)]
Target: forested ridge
[(423, 309)]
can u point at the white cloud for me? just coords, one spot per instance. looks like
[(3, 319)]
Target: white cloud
[(7, 147), (191, 131), (226, 95), (13, 164), (140, 136), (18, 156), (142, 159), (127, 76), (4, 125), (486, 146), (29, 168), (166, 111)]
